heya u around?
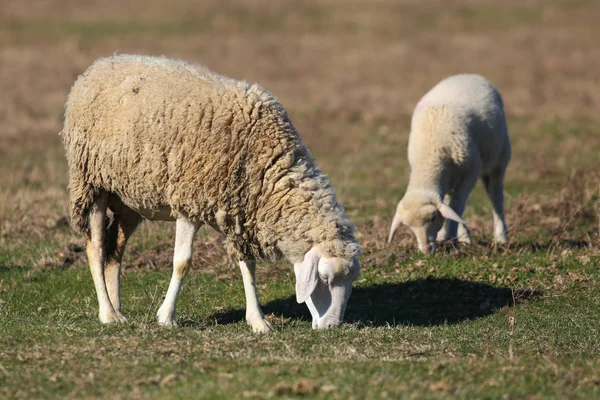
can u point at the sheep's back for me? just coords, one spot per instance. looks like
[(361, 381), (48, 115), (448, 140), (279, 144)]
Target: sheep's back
[(161, 133)]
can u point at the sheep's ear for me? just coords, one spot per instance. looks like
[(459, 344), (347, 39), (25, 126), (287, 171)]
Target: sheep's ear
[(449, 213), (395, 224), (307, 275)]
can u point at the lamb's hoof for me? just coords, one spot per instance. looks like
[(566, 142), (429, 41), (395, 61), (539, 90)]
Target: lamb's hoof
[(501, 238), (465, 239), (502, 241), (260, 325), (112, 317), (166, 318)]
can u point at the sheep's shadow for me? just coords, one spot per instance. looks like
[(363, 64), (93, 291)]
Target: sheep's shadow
[(421, 302)]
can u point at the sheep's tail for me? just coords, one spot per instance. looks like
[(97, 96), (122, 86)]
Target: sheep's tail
[(81, 192), (82, 196)]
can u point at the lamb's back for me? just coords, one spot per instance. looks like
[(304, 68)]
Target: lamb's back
[(461, 115), (473, 93)]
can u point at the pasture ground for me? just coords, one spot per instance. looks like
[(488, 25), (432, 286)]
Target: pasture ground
[(472, 322)]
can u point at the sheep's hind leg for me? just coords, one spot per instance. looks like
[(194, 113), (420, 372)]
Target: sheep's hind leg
[(96, 253), (254, 315), (184, 239), (124, 224), (494, 186)]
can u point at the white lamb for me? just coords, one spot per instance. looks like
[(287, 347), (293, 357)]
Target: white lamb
[(458, 134)]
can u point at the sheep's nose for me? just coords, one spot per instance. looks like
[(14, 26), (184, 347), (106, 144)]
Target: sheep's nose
[(427, 248)]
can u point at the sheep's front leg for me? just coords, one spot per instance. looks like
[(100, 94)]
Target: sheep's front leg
[(96, 253), (254, 315), (443, 233), (184, 239), (494, 186)]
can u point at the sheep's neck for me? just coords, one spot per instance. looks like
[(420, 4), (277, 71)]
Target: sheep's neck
[(429, 179)]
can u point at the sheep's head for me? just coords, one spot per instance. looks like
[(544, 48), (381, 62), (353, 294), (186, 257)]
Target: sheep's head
[(424, 214), (324, 283)]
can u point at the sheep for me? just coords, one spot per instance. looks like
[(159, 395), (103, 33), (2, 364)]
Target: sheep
[(161, 139), (458, 134)]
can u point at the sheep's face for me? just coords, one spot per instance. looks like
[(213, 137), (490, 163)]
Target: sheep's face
[(425, 216), (424, 220), (325, 284)]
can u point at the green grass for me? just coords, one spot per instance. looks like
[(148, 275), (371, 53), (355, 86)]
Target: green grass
[(440, 327)]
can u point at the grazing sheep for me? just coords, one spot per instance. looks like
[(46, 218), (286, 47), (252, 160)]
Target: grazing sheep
[(458, 134), (159, 139)]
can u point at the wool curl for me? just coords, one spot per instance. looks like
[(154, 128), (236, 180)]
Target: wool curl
[(166, 134)]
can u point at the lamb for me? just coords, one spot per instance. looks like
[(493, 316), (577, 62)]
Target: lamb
[(458, 134), (160, 139)]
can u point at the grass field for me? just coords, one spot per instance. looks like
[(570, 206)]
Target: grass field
[(471, 322)]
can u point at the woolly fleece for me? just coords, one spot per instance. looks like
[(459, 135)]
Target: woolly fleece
[(163, 135), (456, 128)]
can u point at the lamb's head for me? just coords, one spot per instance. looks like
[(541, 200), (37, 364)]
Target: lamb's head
[(324, 283), (424, 214)]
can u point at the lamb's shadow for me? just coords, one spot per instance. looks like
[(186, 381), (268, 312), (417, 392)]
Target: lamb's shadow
[(422, 302)]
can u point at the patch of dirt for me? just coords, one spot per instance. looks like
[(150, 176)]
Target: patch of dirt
[(208, 252), (300, 387), (209, 257)]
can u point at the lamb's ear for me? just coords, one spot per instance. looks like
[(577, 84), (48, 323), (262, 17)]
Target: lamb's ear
[(307, 275), (395, 224), (449, 213)]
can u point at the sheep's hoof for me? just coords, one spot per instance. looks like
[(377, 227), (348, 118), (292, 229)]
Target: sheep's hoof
[(465, 240), (122, 319), (112, 317), (501, 237), (166, 319), (502, 241), (170, 323), (260, 325)]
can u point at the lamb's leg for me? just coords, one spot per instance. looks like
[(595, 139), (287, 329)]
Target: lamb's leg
[(458, 204), (96, 255), (494, 186), (443, 233), (119, 232), (184, 239), (254, 315), (463, 234)]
